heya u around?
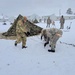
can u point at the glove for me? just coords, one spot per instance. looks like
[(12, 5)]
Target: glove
[(27, 34)]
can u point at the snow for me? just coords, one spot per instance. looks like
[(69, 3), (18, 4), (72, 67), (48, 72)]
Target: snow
[(4, 28), (36, 60)]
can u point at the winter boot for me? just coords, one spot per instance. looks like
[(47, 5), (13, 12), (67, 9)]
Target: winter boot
[(51, 50), (24, 47), (46, 44), (15, 44)]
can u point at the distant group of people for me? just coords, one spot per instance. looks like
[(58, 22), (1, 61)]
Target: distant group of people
[(50, 35), (62, 21)]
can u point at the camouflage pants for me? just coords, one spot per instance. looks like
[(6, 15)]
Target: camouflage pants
[(48, 25), (61, 26), (53, 41), (21, 37)]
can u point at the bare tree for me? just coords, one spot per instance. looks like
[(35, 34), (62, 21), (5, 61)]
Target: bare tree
[(69, 11)]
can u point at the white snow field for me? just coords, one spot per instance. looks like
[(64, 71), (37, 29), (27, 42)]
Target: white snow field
[(36, 60)]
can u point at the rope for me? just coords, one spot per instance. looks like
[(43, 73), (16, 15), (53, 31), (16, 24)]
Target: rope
[(36, 40), (67, 43)]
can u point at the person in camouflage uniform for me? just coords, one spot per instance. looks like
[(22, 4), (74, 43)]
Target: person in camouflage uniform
[(62, 21), (21, 32), (48, 22), (53, 35)]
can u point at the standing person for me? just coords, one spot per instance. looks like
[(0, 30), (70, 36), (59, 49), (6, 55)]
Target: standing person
[(53, 35), (62, 21), (53, 24), (48, 22), (21, 32)]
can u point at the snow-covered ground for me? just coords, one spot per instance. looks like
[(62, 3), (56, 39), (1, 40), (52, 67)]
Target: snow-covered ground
[(36, 60), (4, 28)]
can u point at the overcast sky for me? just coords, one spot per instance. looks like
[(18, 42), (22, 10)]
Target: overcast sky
[(39, 7)]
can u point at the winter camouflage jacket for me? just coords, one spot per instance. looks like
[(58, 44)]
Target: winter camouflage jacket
[(62, 20), (21, 27), (48, 21)]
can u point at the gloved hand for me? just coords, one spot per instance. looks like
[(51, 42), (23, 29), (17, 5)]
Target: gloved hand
[(27, 34)]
